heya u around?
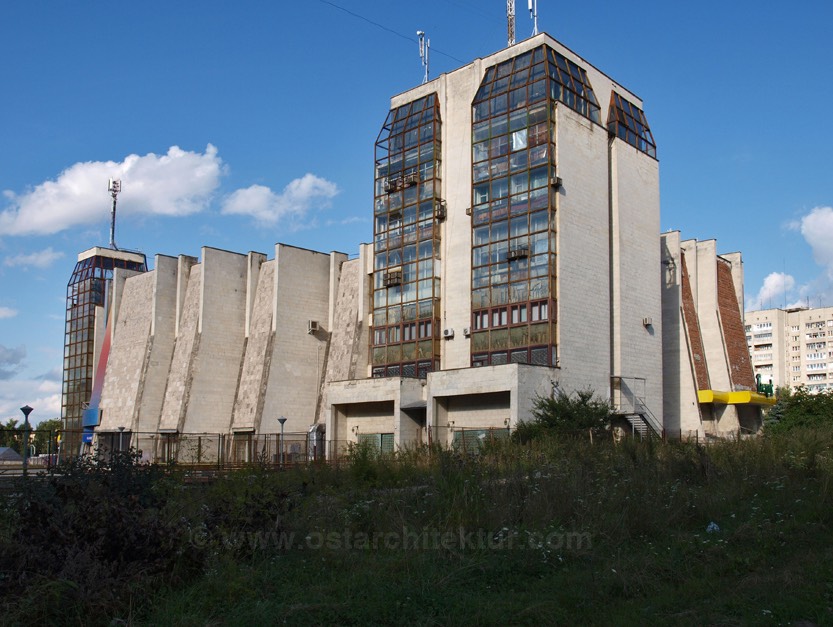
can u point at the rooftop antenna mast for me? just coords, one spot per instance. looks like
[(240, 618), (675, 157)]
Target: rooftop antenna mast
[(424, 47), (114, 187), (533, 13), (510, 19)]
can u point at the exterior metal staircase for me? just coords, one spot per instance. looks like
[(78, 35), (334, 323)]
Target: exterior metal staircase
[(628, 401)]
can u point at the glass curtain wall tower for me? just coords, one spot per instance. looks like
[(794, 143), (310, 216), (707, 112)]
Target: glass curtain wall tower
[(514, 198), (408, 207)]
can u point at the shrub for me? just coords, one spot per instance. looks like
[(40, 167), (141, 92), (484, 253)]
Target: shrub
[(577, 413), (800, 408)]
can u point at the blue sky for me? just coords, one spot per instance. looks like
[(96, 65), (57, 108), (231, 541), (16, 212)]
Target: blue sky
[(238, 125)]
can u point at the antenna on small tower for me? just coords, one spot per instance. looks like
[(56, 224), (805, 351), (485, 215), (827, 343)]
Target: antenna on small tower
[(510, 21), (114, 187), (533, 13), (424, 46)]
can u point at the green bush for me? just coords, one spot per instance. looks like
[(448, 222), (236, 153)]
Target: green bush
[(579, 413), (800, 408), (86, 540)]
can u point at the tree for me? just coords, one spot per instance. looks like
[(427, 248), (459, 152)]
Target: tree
[(800, 408), (579, 412), (11, 434), (43, 432)]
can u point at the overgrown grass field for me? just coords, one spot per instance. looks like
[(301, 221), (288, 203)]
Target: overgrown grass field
[(559, 531)]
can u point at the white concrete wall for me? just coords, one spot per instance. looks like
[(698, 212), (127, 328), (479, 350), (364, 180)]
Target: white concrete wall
[(681, 408), (163, 329), (636, 270), (130, 343), (522, 382), (301, 293), (583, 253), (177, 388), (248, 405), (375, 406), (216, 362)]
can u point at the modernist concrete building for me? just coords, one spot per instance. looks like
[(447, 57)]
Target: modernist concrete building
[(792, 347), (515, 247)]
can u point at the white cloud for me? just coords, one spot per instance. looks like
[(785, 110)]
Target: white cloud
[(817, 229), (292, 204), (776, 287), (40, 259), (7, 312), (174, 184), (779, 289)]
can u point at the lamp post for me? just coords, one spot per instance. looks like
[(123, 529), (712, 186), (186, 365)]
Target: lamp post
[(282, 420), (26, 411)]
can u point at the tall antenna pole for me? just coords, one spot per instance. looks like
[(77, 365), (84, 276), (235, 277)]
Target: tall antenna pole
[(533, 13), (510, 19), (114, 187), (424, 47)]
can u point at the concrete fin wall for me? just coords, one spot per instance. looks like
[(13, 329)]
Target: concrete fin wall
[(734, 335), (179, 376), (163, 332), (301, 295), (695, 338), (131, 339), (248, 406), (347, 355), (215, 369)]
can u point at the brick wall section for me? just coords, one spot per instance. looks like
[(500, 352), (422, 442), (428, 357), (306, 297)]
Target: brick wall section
[(127, 355), (698, 354), (179, 377), (248, 405), (740, 367)]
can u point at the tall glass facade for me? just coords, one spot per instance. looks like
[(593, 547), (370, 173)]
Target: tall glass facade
[(407, 209), (87, 290), (514, 187)]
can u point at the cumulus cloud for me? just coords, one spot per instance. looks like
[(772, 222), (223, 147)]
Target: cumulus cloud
[(817, 229), (778, 289), (7, 312), (14, 394), (39, 259), (177, 183), (290, 205), (772, 293), (11, 359)]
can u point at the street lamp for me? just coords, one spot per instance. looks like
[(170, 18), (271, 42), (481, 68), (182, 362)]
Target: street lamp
[(26, 411), (282, 420)]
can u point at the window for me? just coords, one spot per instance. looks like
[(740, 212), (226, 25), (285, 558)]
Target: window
[(626, 121)]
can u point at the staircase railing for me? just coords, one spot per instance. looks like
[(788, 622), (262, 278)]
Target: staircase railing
[(628, 397)]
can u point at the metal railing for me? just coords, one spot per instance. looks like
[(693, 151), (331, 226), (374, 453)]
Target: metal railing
[(627, 397)]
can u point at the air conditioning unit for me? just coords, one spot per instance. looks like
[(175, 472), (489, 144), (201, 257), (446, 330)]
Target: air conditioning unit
[(520, 252), (555, 181), (392, 184), (411, 179), (448, 333), (441, 210), (312, 326), (392, 279), (467, 331), (468, 211), (647, 322)]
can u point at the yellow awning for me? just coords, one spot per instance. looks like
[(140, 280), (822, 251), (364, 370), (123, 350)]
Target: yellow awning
[(746, 397)]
